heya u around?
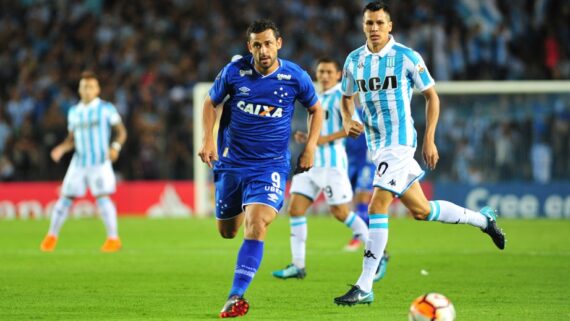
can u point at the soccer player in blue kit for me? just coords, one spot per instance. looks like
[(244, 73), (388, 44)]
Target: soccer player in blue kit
[(252, 156)]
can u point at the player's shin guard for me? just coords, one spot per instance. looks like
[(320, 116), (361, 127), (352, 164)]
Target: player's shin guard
[(298, 240), (358, 226), (248, 261), (59, 215), (108, 213), (377, 240), (447, 212)]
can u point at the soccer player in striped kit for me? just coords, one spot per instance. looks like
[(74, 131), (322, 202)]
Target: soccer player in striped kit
[(383, 73), (91, 124), (329, 174)]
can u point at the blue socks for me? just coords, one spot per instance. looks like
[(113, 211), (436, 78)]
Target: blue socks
[(362, 211), (248, 261)]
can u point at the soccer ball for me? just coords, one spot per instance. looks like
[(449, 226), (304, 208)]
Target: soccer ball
[(432, 307)]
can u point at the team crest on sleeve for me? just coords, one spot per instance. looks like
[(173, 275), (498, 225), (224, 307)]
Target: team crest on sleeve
[(245, 72), (283, 77), (420, 68)]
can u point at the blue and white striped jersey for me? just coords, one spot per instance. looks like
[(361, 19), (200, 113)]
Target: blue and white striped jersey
[(332, 154), (91, 127), (384, 82)]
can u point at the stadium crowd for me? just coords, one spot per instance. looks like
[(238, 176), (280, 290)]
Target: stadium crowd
[(149, 54)]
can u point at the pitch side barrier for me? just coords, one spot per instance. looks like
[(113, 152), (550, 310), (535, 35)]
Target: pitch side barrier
[(158, 199), (513, 200)]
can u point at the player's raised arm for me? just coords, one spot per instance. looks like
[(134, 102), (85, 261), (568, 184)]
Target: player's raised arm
[(307, 157), (429, 149), (58, 151), (208, 152), (120, 138), (352, 127)]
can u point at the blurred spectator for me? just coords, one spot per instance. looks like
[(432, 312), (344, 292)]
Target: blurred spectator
[(149, 55), (541, 158), (5, 131)]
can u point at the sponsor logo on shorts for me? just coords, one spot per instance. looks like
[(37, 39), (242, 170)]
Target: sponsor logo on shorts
[(273, 197)]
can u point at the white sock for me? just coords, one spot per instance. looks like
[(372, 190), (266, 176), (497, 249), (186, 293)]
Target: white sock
[(108, 213), (59, 214), (358, 226), (298, 240), (447, 212), (377, 240)]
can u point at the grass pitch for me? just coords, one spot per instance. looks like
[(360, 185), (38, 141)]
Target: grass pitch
[(182, 270)]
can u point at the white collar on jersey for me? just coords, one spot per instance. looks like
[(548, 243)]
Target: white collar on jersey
[(384, 50), (262, 75), (331, 90), (93, 103)]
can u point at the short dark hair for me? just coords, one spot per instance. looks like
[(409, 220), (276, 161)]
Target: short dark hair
[(261, 25), (88, 74), (377, 6), (328, 60)]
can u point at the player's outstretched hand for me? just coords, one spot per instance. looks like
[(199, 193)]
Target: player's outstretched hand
[(57, 153), (353, 128), (430, 154), (305, 160), (300, 137), (208, 154)]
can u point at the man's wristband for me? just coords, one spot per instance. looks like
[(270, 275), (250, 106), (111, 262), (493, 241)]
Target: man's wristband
[(116, 146)]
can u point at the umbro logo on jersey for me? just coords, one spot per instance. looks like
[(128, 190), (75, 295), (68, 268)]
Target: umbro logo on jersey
[(243, 72), (283, 76), (272, 197), (260, 110), (244, 91), (392, 182)]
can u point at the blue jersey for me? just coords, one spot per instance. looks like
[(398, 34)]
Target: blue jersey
[(256, 122), (384, 82), (91, 126)]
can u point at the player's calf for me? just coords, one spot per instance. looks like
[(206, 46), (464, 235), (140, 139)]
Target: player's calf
[(419, 212)]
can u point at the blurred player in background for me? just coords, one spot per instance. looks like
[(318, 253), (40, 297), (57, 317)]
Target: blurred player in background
[(383, 74), (91, 124), (253, 146), (329, 174)]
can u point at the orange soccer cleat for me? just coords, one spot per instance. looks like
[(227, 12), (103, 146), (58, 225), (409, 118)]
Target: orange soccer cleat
[(49, 243), (111, 245), (353, 245)]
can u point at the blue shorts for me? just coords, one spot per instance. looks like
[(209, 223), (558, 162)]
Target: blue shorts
[(236, 188), (362, 176)]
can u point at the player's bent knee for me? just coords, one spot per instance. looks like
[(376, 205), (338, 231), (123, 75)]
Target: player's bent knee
[(295, 213), (228, 234)]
